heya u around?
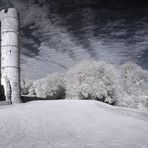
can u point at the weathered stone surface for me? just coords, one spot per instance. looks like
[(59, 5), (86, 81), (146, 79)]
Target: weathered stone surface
[(10, 54)]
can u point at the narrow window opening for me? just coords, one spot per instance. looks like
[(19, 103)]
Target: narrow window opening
[(6, 10)]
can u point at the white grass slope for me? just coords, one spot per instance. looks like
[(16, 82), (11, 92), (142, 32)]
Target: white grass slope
[(71, 124)]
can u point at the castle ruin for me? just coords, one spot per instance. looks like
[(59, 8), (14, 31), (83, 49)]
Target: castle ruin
[(10, 55)]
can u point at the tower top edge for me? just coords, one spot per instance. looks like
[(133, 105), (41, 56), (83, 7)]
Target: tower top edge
[(8, 12)]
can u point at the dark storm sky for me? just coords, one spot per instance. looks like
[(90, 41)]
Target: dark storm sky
[(56, 34)]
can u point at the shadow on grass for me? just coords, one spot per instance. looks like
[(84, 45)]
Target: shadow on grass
[(2, 103), (34, 98), (27, 99)]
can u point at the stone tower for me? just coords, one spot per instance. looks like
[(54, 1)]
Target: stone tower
[(10, 54)]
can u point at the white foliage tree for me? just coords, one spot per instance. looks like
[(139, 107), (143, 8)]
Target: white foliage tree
[(51, 87), (133, 83), (93, 80)]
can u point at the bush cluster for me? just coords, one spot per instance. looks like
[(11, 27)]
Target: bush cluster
[(100, 81)]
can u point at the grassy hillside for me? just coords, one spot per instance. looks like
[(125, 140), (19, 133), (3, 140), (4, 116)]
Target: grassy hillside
[(71, 124)]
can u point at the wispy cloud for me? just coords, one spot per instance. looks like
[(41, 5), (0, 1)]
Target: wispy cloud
[(55, 39)]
